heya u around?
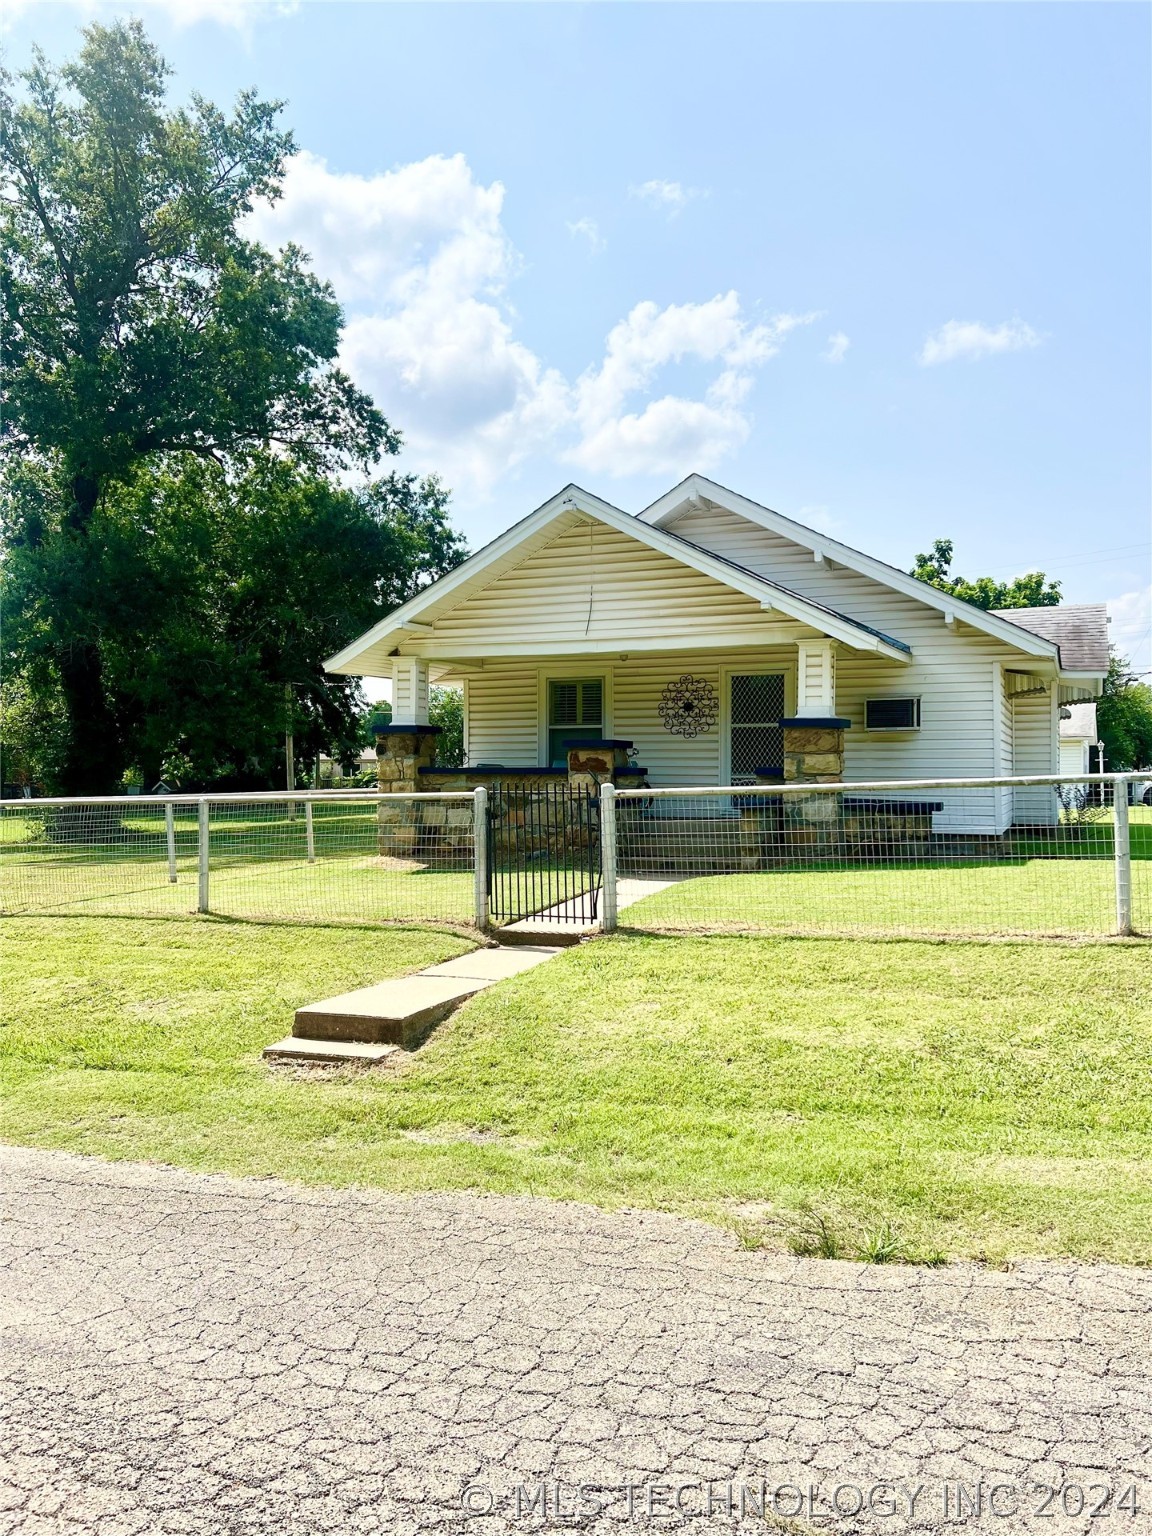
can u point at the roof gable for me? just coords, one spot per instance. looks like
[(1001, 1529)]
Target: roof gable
[(489, 564), (697, 490)]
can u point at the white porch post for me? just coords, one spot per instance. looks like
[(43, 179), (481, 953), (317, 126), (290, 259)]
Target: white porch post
[(815, 680), (409, 690)]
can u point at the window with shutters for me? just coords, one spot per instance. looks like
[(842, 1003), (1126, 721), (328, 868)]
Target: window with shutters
[(575, 713)]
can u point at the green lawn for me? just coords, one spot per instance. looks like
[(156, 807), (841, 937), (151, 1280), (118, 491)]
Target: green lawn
[(978, 1098), (1071, 897), (258, 869)]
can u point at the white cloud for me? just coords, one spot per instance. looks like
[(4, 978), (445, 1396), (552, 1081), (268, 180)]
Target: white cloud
[(669, 197), (1131, 628), (837, 349), (671, 434), (972, 339), (421, 261), (588, 229), (419, 257)]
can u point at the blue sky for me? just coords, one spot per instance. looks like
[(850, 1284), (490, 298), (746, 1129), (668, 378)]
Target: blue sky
[(882, 267)]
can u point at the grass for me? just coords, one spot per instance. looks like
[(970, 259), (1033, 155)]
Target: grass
[(904, 1099)]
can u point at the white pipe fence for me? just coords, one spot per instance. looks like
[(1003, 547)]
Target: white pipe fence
[(1037, 855)]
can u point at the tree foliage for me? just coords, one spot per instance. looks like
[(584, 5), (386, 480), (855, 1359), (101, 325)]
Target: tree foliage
[(141, 325), (446, 709), (204, 594), (1124, 718), (1030, 591)]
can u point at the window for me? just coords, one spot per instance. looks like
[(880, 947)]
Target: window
[(575, 713), (892, 715)]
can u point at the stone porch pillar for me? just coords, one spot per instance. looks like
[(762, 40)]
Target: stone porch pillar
[(401, 752), (592, 763)]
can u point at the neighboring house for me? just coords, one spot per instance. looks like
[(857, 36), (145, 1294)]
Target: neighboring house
[(1080, 746), (585, 622), (329, 768)]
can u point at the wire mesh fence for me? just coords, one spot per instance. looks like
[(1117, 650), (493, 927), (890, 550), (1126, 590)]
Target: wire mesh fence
[(942, 858), (321, 857), (930, 858)]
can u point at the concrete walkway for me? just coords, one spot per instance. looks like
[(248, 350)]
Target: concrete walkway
[(185, 1355), (372, 1023), (369, 1025)]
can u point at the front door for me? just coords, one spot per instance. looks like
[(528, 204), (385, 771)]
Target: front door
[(755, 708)]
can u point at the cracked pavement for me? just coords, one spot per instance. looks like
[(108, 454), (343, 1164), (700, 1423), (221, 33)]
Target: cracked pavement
[(185, 1353)]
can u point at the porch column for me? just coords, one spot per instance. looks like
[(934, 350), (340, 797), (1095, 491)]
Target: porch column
[(815, 679), (409, 690), (402, 749), (814, 736)]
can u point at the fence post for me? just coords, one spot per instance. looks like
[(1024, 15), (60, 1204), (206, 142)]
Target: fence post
[(480, 855), (1123, 849), (202, 854), (170, 837), (309, 832), (608, 857)]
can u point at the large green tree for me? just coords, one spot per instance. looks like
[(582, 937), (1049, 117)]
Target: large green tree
[(1031, 591), (212, 594), (141, 325), (1124, 718)]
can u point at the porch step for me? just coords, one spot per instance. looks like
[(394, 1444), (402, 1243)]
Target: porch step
[(530, 933)]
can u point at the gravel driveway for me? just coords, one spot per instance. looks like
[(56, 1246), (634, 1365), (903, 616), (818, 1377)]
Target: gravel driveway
[(182, 1353)]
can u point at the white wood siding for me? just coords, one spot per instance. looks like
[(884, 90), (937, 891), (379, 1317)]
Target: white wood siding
[(1035, 750), (507, 706), (591, 583), (1073, 756), (965, 727)]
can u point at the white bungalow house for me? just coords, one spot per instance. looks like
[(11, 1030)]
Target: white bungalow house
[(692, 630)]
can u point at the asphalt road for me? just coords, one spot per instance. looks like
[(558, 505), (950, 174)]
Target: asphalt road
[(190, 1354)]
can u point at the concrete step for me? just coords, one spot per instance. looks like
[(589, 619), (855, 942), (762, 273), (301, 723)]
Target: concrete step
[(540, 934), (397, 1012), (337, 1052), (402, 1011)]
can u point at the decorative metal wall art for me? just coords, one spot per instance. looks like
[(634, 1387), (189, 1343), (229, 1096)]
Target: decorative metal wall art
[(689, 707)]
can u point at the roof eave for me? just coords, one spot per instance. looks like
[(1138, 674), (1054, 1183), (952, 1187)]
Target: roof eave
[(696, 485), (574, 498)]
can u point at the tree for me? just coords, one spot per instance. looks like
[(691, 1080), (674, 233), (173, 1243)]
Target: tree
[(1030, 591), (140, 324), (211, 593), (1124, 718), (446, 709)]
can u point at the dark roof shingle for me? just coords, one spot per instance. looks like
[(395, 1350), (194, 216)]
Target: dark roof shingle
[(1079, 629)]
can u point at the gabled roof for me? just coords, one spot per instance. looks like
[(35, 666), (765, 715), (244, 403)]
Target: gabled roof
[(698, 488), (400, 622), (1080, 631)]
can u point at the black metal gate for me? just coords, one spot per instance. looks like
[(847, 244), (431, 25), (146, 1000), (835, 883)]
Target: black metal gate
[(544, 853)]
